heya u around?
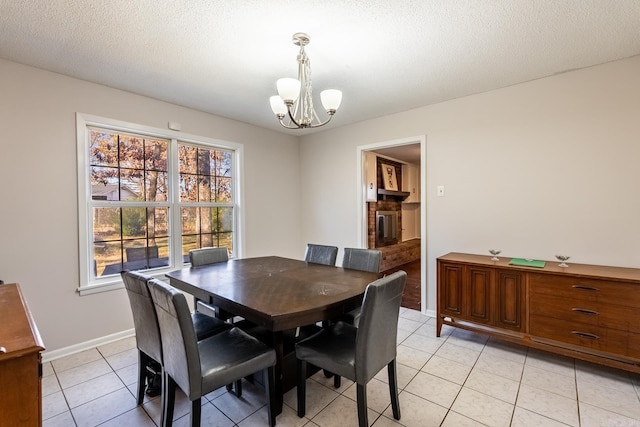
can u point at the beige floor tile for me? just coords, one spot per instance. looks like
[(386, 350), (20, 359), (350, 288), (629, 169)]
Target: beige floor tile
[(378, 396), (468, 339), (253, 398), (434, 389), (621, 400), (499, 366), (317, 398), (417, 412), (64, 419), (123, 359), (456, 353), (50, 385), (559, 384), (75, 360), (54, 404), (117, 346), (551, 362), (135, 417), (548, 404), (483, 408), (412, 357), (454, 419), (93, 389), (493, 385), (592, 416), (447, 369), (423, 343), (404, 373), (505, 350), (408, 324), (83, 373), (341, 412), (525, 418), (103, 408)]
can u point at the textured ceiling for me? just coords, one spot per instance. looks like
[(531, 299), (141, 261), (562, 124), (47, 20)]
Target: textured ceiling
[(224, 57)]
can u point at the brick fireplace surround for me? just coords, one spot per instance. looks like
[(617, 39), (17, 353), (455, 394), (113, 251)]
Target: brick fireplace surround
[(392, 255)]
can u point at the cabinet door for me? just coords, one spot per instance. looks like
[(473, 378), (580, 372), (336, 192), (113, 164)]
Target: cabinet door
[(510, 299), (411, 182), (370, 176), (479, 294), (450, 289)]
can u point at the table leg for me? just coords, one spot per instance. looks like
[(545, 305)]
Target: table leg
[(278, 346)]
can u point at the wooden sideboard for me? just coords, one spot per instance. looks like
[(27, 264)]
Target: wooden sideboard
[(20, 361), (584, 311)]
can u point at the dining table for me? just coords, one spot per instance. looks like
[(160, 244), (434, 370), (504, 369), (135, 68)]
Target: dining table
[(277, 295)]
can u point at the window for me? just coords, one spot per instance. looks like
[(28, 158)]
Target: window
[(148, 196)]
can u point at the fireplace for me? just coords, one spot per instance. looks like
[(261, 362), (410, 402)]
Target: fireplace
[(386, 228)]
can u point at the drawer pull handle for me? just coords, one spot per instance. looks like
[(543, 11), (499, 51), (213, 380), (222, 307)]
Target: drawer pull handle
[(3, 350), (585, 288), (585, 311), (586, 335)]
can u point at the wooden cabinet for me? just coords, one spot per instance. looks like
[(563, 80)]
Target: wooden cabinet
[(480, 294), (411, 182), (20, 361), (584, 311)]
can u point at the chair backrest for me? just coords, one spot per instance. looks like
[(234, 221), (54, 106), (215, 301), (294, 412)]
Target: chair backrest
[(378, 327), (145, 320), (179, 342), (321, 254), (362, 259), (206, 256)]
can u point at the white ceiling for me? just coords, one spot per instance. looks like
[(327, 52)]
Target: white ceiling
[(224, 56)]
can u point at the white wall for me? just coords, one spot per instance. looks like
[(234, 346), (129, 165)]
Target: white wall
[(38, 214), (535, 169)]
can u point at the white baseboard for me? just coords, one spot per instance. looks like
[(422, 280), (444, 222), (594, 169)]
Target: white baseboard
[(48, 356), (430, 313)]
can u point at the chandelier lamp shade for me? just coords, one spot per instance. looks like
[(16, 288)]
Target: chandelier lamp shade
[(293, 106)]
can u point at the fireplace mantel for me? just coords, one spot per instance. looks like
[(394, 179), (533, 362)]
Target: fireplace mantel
[(401, 195)]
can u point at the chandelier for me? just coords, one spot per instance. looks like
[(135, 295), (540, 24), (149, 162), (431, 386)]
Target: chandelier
[(297, 106)]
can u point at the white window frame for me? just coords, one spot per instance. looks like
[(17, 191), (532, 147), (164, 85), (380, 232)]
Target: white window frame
[(90, 284)]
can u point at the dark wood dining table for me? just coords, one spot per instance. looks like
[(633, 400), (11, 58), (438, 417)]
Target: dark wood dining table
[(277, 294)]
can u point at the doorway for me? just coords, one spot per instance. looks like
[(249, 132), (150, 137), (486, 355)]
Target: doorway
[(409, 151)]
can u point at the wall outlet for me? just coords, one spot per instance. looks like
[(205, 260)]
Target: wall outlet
[(440, 191)]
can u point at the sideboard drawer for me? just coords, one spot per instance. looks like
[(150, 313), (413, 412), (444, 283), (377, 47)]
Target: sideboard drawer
[(585, 289), (622, 318), (585, 335)]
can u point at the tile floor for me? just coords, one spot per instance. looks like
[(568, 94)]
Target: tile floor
[(460, 379)]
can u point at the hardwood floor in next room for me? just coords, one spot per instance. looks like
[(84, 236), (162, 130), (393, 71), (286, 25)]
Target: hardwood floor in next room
[(411, 297)]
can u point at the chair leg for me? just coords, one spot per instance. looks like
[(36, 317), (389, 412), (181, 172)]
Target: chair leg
[(363, 419), (270, 388), (143, 361), (393, 389), (196, 413), (169, 397), (337, 381), (238, 385), (302, 380)]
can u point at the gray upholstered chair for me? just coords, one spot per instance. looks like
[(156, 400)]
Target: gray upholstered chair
[(145, 322), (359, 353), (364, 260), (321, 254), (200, 367), (207, 256)]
